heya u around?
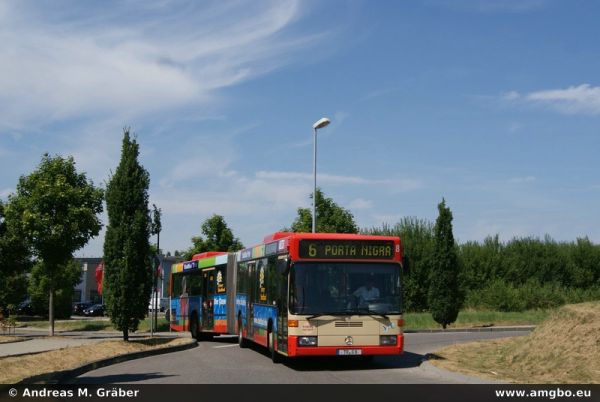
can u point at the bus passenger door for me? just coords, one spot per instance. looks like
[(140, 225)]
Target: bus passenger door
[(251, 298), (208, 295)]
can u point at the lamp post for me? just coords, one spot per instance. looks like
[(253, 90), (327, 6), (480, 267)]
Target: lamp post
[(319, 124)]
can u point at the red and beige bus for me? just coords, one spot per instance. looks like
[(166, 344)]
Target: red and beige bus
[(298, 294)]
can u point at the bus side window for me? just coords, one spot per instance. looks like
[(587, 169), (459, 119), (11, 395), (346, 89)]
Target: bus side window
[(261, 269), (195, 284), (272, 280), (184, 290), (242, 282)]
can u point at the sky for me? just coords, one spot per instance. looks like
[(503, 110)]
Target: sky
[(492, 105)]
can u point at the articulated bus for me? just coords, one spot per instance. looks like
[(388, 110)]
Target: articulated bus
[(298, 294)]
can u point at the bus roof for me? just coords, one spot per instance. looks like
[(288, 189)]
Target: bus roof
[(202, 260)]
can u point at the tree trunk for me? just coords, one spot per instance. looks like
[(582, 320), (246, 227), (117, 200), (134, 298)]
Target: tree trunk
[(126, 335), (51, 311)]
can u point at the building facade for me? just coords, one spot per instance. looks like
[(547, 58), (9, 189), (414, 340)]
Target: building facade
[(87, 289)]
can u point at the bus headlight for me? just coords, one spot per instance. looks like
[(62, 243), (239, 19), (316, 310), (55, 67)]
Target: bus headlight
[(307, 341), (388, 340)]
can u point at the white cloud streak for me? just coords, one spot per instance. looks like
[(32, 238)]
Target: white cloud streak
[(581, 99), (65, 62), (399, 184)]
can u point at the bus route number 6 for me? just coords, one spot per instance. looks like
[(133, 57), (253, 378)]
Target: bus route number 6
[(312, 250)]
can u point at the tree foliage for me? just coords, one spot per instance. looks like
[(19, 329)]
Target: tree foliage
[(55, 209), (217, 237), (519, 274), (15, 261), (444, 297), (331, 218), (127, 262), (529, 273), (68, 276)]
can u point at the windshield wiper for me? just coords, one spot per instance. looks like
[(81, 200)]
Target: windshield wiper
[(330, 313), (369, 312)]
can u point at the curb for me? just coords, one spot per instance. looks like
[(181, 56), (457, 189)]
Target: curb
[(455, 376), (15, 341), (478, 329), (59, 377)]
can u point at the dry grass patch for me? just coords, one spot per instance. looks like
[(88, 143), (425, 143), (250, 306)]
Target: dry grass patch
[(8, 339), (563, 349), (14, 369)]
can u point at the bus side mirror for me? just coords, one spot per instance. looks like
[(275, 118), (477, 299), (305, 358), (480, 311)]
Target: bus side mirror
[(405, 265)]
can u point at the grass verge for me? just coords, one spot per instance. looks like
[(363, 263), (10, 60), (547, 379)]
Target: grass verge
[(413, 321), (15, 369), (563, 349), (9, 339), (93, 325), (470, 319)]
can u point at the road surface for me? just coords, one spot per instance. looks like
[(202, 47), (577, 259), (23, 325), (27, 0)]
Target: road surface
[(221, 361)]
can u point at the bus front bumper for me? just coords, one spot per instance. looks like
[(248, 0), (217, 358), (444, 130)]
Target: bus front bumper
[(357, 350)]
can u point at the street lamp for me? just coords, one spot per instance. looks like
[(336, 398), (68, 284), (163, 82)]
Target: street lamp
[(319, 124)]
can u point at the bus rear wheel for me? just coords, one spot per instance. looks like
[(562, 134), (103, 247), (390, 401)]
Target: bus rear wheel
[(241, 341)]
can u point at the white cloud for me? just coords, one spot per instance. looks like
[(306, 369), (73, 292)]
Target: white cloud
[(65, 62), (582, 99), (395, 184)]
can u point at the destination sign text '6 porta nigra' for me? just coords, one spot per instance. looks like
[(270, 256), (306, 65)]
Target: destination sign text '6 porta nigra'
[(347, 249)]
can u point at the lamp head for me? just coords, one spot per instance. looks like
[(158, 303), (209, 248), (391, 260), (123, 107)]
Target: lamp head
[(321, 123)]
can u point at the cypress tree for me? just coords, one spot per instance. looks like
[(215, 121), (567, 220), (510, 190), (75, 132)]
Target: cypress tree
[(444, 297), (127, 263)]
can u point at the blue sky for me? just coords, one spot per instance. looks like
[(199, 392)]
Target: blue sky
[(494, 105)]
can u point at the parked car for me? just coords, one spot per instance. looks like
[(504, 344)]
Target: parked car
[(79, 308), (95, 310)]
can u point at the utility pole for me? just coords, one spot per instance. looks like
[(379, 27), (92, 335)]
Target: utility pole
[(156, 228)]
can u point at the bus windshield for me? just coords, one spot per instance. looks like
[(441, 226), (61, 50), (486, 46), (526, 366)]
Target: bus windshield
[(345, 288)]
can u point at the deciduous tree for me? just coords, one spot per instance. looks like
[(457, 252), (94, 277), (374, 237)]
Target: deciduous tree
[(217, 237), (331, 218), (15, 261), (56, 210), (67, 277)]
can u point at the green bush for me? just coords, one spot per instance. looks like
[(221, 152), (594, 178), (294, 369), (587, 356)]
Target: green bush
[(532, 295)]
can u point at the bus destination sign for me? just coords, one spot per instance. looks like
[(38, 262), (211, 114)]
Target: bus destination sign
[(347, 249)]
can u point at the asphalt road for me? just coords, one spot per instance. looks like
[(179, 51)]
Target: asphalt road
[(222, 361)]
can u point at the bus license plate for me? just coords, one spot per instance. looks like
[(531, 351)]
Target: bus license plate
[(349, 352)]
